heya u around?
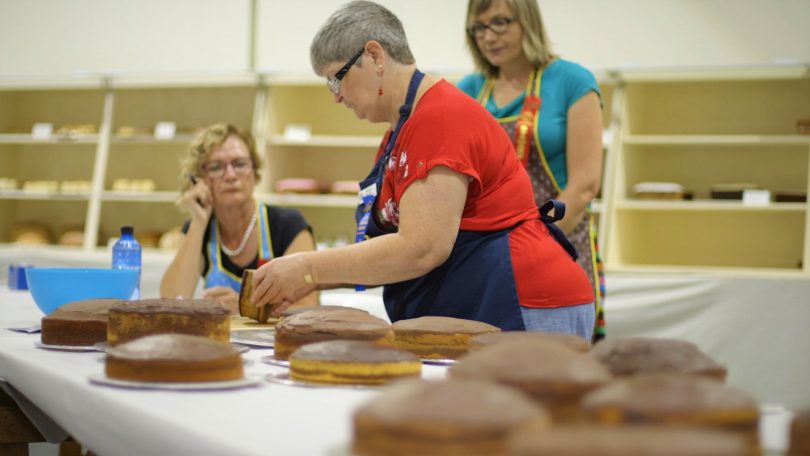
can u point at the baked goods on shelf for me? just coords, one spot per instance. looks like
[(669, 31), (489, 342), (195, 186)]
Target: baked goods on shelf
[(8, 183), (30, 233), (297, 185), (41, 186), (676, 400), (659, 190), (76, 130), (799, 439), (455, 417), (438, 337), (625, 441), (130, 320), (552, 374), (571, 341), (72, 238), (126, 132), (133, 185), (345, 187), (171, 240), (790, 196), (75, 186), (148, 238), (174, 358), (78, 323), (318, 325), (731, 191), (626, 356), (352, 362)]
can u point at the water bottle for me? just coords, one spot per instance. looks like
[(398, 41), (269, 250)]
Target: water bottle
[(127, 255)]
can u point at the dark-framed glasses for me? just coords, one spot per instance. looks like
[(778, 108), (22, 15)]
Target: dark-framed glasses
[(334, 83), (241, 166), (498, 25)]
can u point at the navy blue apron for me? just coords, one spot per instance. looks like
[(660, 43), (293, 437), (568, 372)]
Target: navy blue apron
[(476, 282)]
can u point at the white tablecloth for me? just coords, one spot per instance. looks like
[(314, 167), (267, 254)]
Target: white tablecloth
[(262, 420)]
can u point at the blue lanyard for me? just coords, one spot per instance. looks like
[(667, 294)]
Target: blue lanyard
[(379, 167)]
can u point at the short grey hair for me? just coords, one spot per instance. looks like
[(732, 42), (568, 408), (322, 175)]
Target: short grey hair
[(349, 29)]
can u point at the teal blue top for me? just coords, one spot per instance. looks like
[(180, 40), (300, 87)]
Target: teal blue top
[(561, 85)]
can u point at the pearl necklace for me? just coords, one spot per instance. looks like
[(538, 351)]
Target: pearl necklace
[(238, 250)]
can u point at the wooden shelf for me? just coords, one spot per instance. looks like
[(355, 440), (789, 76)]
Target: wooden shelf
[(149, 139), (706, 205), (10, 138), (714, 270), (327, 141), (304, 200), (719, 140), (42, 196), (140, 197)]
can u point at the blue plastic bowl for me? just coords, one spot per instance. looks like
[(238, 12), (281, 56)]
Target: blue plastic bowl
[(53, 287)]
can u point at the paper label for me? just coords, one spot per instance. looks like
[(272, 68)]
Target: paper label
[(297, 132), (42, 131), (756, 197)]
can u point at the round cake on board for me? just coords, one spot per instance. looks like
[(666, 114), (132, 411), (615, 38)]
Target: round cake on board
[(626, 356), (454, 417), (318, 325), (174, 358), (571, 341), (130, 320), (438, 337), (352, 362)]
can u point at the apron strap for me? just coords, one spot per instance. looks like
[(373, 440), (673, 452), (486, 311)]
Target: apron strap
[(548, 220)]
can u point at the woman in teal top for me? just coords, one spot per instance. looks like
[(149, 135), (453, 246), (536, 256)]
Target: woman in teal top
[(551, 108)]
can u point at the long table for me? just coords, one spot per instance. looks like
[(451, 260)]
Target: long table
[(280, 419), (266, 419)]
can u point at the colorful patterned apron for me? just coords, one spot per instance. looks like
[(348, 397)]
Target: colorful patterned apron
[(475, 283), (217, 275), (527, 144)]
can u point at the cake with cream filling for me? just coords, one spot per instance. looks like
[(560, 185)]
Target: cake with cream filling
[(626, 356), (174, 358), (438, 337), (130, 320), (78, 323), (318, 325), (352, 362), (454, 417)]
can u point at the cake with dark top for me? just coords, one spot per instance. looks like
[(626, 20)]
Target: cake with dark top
[(552, 374), (174, 358), (438, 337), (675, 400), (571, 341), (626, 356), (130, 320), (352, 362), (321, 325), (79, 323), (454, 417)]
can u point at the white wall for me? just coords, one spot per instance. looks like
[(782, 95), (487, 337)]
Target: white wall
[(54, 37), (64, 37)]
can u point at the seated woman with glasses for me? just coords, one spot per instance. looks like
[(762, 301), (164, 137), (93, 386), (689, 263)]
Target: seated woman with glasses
[(228, 231), (448, 222), (550, 108)]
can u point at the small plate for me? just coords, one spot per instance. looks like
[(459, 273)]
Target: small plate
[(283, 378), (276, 362), (35, 329), (69, 348), (101, 379), (257, 338), (102, 347), (439, 362)]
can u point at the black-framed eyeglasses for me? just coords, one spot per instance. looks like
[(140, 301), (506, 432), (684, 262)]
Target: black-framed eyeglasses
[(334, 83), (217, 169), (498, 25)]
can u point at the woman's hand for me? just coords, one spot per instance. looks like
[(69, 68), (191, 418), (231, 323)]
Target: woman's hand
[(199, 202), (225, 296), (282, 282)]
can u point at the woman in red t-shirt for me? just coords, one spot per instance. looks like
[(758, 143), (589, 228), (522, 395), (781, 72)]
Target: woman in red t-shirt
[(448, 222)]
